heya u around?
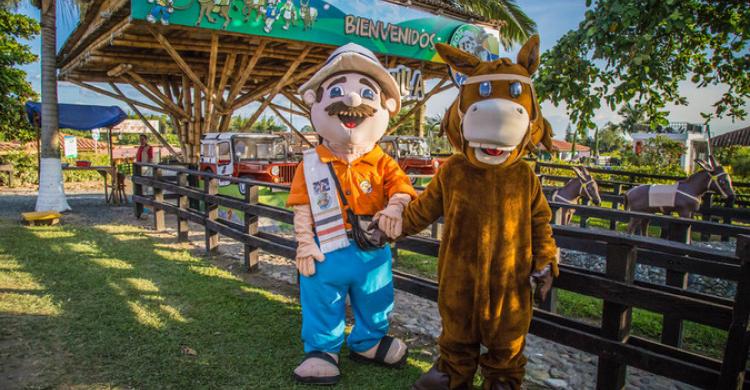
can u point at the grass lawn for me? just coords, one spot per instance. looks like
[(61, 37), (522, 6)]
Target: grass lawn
[(271, 198), (102, 306), (698, 338)]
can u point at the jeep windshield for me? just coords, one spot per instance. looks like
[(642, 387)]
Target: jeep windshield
[(260, 148), (413, 147)]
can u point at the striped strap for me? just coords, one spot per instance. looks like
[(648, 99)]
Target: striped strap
[(324, 203)]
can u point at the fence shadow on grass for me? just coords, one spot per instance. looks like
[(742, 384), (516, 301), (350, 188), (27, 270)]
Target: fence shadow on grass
[(131, 312)]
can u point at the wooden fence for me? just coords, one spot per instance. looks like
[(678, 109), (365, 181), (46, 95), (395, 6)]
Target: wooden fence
[(613, 342), (618, 187)]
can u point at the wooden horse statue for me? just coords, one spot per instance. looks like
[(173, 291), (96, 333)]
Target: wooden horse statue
[(683, 197), (583, 185)]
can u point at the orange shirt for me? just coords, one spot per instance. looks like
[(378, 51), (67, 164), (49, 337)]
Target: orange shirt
[(368, 182)]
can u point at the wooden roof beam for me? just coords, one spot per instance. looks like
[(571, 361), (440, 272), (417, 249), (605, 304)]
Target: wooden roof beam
[(145, 121), (245, 73), (118, 70), (115, 96), (268, 85), (419, 105), (291, 126), (158, 94), (280, 84)]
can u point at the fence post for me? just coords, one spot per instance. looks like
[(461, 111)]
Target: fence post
[(617, 191), (550, 304), (251, 228), (616, 318), (671, 329), (137, 190), (736, 349), (183, 229), (558, 216), (727, 218), (436, 230), (706, 205), (584, 221), (211, 187), (193, 182), (158, 198)]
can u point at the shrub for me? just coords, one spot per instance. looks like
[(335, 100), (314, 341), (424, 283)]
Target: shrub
[(25, 166)]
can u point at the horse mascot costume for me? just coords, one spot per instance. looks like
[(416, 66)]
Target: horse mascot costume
[(497, 240)]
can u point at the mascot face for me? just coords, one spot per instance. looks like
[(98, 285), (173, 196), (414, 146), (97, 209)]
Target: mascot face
[(350, 109), (496, 112)]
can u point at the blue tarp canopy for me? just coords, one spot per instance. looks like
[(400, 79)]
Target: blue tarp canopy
[(80, 116)]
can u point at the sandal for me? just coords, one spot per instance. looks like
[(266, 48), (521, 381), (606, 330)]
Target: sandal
[(318, 380), (380, 354)]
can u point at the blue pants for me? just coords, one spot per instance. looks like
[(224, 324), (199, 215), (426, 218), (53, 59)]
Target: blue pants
[(367, 278), (160, 11)]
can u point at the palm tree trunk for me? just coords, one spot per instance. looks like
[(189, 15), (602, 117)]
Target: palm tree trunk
[(51, 192)]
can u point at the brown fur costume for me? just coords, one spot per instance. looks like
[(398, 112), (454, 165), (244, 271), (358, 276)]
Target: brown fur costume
[(496, 234)]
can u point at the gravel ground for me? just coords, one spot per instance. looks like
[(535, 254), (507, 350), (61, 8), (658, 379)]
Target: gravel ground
[(551, 365)]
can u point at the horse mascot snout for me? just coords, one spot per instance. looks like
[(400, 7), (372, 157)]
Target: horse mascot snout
[(497, 246)]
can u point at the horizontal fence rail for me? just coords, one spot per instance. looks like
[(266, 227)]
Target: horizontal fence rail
[(632, 176), (194, 198)]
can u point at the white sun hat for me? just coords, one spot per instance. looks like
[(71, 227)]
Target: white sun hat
[(355, 58)]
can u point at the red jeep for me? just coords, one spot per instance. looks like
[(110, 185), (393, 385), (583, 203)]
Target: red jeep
[(263, 157), (411, 153)]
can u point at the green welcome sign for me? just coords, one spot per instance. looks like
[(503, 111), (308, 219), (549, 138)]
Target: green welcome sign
[(379, 25)]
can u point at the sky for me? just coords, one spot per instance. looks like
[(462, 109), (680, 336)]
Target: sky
[(553, 17)]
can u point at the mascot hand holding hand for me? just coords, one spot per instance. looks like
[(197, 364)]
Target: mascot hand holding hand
[(351, 100), (497, 237)]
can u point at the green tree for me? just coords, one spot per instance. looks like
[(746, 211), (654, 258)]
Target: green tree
[(14, 89), (266, 124), (514, 25), (638, 51), (632, 115), (662, 151), (611, 138), (406, 128)]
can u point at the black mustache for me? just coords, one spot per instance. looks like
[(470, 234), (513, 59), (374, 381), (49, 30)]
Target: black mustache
[(340, 108)]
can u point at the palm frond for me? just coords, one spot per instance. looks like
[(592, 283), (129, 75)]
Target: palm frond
[(517, 26)]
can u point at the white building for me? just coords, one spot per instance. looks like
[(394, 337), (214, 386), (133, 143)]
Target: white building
[(693, 136)]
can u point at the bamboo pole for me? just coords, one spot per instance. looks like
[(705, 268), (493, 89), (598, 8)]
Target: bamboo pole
[(176, 57), (269, 85), (229, 65), (80, 56), (291, 126), (297, 102), (167, 88), (155, 90), (156, 133), (209, 109), (198, 112), (239, 83), (288, 110), (225, 72), (115, 96), (188, 106), (417, 106)]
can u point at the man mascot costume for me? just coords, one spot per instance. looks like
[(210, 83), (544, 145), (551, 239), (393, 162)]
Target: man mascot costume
[(351, 99), (497, 239)]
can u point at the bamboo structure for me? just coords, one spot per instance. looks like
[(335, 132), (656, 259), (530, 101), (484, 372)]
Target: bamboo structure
[(199, 77)]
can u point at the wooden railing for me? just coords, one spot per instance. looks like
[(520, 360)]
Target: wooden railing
[(613, 342), (633, 177)]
